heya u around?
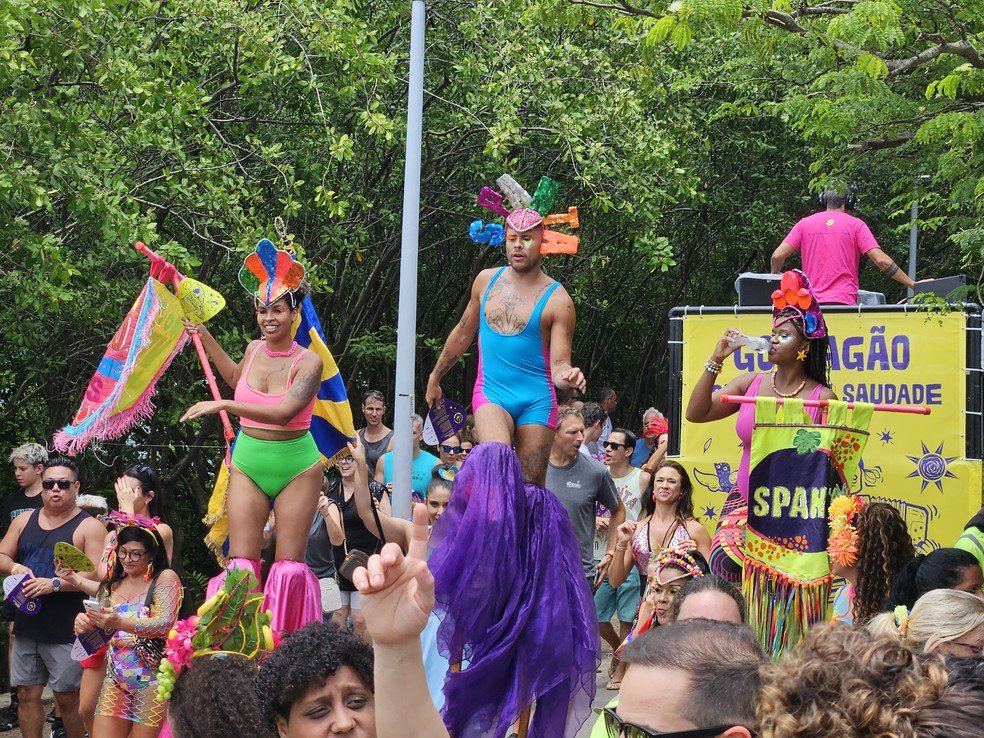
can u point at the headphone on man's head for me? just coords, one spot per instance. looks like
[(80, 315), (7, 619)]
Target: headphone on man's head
[(849, 191)]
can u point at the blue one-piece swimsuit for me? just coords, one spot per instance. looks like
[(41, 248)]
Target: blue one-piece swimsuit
[(514, 371)]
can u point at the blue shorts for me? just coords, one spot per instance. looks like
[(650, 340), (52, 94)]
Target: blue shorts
[(624, 600), (524, 407)]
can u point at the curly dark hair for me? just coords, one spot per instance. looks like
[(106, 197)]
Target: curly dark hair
[(215, 698), (842, 681), (307, 658), (593, 413), (884, 548)]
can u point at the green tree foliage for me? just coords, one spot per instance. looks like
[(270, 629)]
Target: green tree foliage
[(193, 126), (880, 91)]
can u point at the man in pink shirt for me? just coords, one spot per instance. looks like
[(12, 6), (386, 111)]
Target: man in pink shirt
[(831, 243)]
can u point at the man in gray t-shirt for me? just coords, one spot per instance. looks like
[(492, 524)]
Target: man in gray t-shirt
[(580, 483)]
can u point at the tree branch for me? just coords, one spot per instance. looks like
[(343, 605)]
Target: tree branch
[(959, 48), (881, 143), (622, 7)]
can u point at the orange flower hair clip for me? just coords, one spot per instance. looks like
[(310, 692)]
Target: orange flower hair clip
[(843, 542)]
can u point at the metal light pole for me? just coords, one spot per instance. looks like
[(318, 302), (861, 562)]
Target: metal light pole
[(914, 230), (406, 333)]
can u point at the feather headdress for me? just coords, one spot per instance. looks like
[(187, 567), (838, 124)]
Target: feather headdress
[(270, 273)]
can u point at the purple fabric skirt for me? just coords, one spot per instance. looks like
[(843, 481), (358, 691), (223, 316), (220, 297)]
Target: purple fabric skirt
[(515, 604)]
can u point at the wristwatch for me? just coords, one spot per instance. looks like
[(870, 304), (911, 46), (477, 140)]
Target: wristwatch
[(55, 584)]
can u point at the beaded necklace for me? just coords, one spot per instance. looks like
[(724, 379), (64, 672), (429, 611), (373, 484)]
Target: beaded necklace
[(786, 394)]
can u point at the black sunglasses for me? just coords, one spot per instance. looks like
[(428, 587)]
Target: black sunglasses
[(450, 449), (614, 445), (62, 483), (618, 728)]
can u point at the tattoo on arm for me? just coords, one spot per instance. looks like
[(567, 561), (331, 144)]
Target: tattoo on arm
[(445, 362), (305, 386), (455, 346)]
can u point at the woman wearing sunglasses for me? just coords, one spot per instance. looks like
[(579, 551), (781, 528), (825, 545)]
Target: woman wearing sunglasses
[(138, 604), (136, 494), (450, 451), (355, 536)]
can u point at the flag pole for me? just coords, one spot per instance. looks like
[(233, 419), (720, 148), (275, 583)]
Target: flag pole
[(908, 409), (176, 278), (406, 334)]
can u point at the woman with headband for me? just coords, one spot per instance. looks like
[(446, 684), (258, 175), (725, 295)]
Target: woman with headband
[(668, 571), (275, 460), (139, 603)]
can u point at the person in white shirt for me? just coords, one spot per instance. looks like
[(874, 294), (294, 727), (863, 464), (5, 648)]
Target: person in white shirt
[(631, 484)]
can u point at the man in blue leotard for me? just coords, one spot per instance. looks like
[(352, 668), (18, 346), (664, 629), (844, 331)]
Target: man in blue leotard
[(525, 322)]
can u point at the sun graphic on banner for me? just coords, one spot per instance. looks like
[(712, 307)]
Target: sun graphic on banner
[(931, 467)]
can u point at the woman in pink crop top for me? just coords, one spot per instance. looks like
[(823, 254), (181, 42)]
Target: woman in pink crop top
[(798, 352), (275, 457)]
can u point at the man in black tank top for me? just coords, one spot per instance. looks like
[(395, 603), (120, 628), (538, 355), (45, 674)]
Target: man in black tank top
[(373, 410), (42, 652)]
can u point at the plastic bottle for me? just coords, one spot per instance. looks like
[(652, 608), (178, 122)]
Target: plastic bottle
[(754, 343)]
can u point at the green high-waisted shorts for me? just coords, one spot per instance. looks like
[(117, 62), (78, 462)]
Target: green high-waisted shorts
[(273, 464)]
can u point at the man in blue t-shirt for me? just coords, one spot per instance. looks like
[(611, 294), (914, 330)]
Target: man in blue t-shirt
[(423, 464)]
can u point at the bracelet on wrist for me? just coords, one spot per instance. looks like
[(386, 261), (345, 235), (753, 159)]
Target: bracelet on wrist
[(714, 367), (621, 546)]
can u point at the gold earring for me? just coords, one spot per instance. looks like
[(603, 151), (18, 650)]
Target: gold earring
[(801, 355)]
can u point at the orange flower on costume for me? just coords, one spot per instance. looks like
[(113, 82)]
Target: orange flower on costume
[(843, 547), (791, 293), (843, 542)]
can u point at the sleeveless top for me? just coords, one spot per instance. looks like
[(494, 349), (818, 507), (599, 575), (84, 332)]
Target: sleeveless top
[(246, 394), (374, 449), (627, 488), (643, 554), (841, 610), (55, 621), (508, 365), (746, 422), (628, 491), (357, 536)]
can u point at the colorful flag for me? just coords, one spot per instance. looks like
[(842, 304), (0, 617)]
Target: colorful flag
[(797, 470), (331, 425), (120, 393)]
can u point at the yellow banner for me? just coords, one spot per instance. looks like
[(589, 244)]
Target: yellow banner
[(916, 463)]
